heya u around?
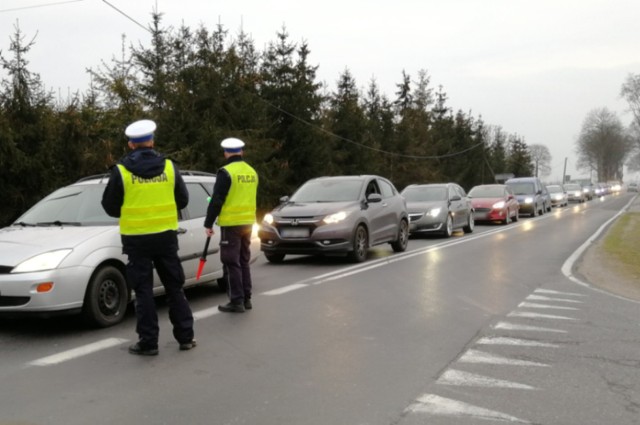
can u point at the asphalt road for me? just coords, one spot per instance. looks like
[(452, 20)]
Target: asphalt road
[(477, 329)]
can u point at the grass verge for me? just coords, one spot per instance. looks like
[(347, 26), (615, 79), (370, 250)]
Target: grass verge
[(622, 245)]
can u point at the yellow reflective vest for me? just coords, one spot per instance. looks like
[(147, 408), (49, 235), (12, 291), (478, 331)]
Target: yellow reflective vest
[(149, 204), (239, 206)]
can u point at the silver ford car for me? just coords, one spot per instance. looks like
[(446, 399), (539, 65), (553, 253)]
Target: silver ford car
[(65, 254)]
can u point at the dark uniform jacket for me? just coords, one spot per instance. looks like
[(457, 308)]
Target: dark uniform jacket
[(146, 163)]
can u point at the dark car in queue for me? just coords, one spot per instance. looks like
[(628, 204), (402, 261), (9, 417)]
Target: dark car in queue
[(438, 208), (494, 202), (558, 194), (64, 255), (343, 215), (532, 195)]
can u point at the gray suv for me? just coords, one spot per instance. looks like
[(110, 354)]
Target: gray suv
[(336, 215)]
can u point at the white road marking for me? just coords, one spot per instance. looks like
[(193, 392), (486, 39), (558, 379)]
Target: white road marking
[(529, 315), (516, 327), (208, 312), (543, 298), (466, 379), (536, 305), (550, 291), (475, 356), (498, 340), (78, 352), (436, 405), (285, 289)]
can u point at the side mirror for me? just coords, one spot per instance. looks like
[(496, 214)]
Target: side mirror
[(284, 199), (455, 198), (374, 197)]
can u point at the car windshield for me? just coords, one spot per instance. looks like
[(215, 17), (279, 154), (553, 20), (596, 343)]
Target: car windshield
[(487, 192), (425, 194), (328, 190), (573, 187), (554, 189), (522, 188), (76, 205)]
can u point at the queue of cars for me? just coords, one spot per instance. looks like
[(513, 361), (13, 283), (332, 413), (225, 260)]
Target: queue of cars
[(64, 255)]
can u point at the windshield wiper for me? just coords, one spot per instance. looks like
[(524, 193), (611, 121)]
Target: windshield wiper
[(58, 223), (23, 224)]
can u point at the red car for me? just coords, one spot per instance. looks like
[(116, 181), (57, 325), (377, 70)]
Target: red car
[(494, 202)]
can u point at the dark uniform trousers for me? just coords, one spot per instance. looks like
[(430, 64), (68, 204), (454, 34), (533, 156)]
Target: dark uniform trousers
[(159, 250), (235, 254)]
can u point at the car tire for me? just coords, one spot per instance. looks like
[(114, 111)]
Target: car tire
[(106, 298), (400, 244), (448, 227), (548, 208), (470, 224), (360, 245), (275, 258)]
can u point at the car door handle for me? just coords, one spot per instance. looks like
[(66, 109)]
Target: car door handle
[(384, 204), (181, 231)]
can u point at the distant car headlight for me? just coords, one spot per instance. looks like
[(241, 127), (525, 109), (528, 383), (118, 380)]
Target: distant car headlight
[(557, 197), (336, 217), (528, 200), (578, 193), (268, 218), (434, 212), (46, 261), (498, 205)]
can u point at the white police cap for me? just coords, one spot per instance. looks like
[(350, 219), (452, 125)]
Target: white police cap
[(140, 131), (232, 144)]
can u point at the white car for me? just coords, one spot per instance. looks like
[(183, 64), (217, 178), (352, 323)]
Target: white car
[(65, 253)]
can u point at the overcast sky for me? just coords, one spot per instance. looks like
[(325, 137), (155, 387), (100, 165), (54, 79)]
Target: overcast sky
[(535, 68)]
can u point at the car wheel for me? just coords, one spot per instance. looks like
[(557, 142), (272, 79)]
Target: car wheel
[(107, 296), (535, 211), (548, 208), (400, 244), (274, 257), (470, 224), (360, 245), (448, 227)]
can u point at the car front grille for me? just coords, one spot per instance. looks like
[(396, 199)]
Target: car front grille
[(482, 210), (13, 301)]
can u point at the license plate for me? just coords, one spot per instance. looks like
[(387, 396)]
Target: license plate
[(294, 232)]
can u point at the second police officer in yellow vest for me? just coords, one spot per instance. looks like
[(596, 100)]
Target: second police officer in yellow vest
[(233, 204)]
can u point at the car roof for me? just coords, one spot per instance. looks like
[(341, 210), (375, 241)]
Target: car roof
[(187, 176)]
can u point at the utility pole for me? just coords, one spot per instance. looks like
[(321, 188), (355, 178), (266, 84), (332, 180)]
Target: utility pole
[(564, 171)]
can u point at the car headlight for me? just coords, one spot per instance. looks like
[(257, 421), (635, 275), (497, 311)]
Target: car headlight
[(498, 205), (528, 200), (268, 218), (336, 217), (434, 212), (46, 261), (578, 193)]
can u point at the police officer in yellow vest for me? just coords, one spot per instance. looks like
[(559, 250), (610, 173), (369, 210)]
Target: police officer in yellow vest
[(145, 190), (233, 204)]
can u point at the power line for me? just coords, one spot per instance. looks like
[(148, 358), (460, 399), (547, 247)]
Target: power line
[(126, 16), (36, 6)]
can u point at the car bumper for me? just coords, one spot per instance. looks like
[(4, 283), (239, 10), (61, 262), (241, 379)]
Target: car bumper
[(426, 224), (334, 238), (491, 215), (18, 291)]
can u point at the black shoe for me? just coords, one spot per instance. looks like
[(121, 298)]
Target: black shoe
[(141, 350), (184, 346), (231, 308), (248, 305)]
